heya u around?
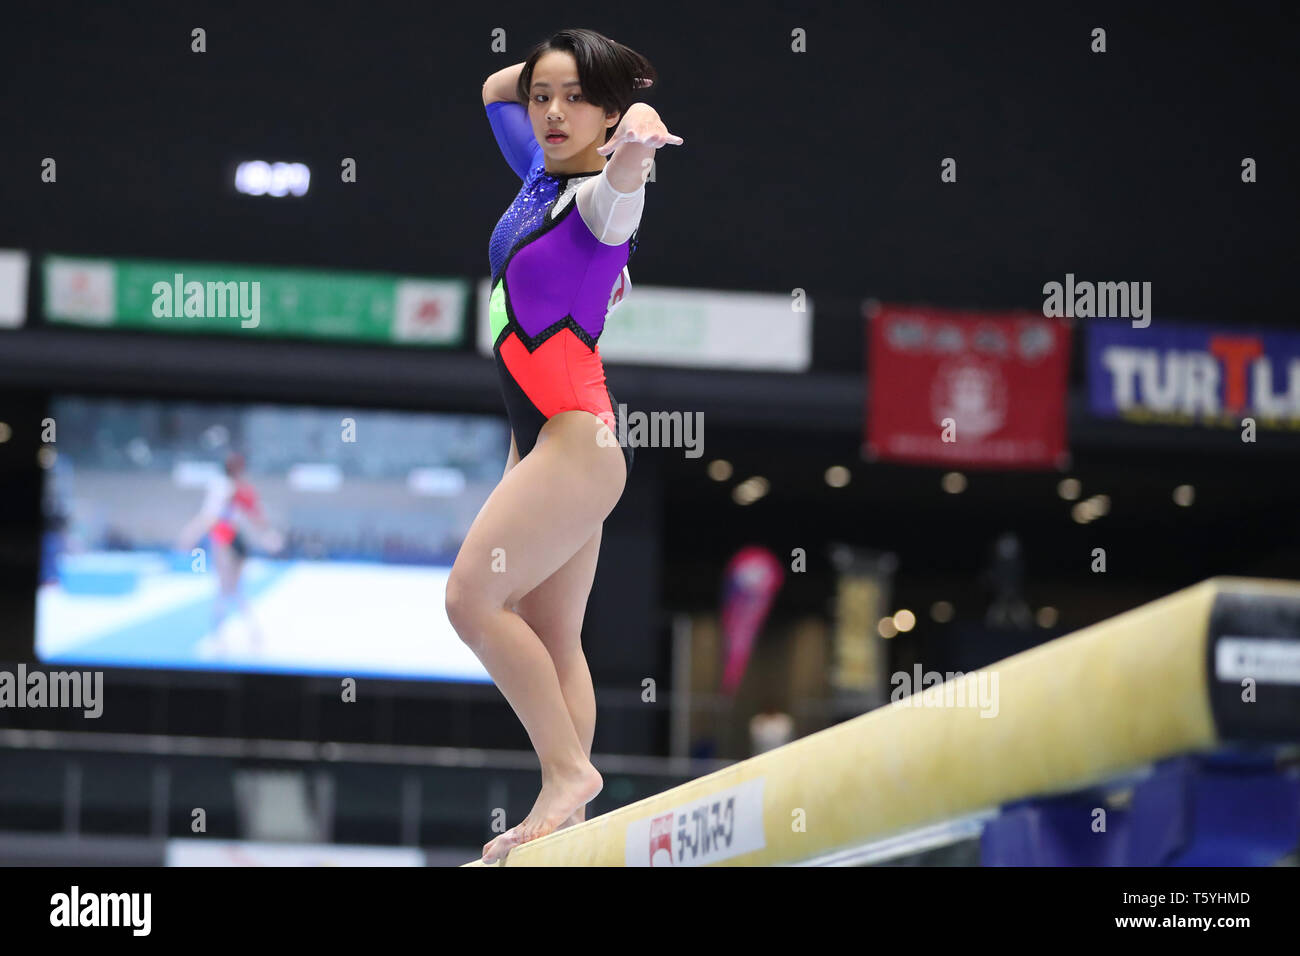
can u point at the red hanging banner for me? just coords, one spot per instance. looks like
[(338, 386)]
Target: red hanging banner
[(971, 389)]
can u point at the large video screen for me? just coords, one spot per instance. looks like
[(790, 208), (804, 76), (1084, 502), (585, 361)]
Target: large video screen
[(273, 538)]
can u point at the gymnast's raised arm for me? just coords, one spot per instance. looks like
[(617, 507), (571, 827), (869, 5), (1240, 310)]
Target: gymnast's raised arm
[(500, 86)]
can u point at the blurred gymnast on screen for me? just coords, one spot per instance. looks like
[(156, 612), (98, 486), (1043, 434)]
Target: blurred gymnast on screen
[(231, 516), (518, 589)]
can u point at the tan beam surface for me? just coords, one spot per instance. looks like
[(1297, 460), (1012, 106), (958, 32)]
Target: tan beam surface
[(1066, 714)]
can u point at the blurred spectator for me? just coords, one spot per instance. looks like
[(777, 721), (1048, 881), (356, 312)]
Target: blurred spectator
[(770, 728), (1006, 577)]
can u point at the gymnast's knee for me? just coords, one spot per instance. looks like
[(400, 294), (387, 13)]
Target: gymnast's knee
[(468, 607), (464, 608)]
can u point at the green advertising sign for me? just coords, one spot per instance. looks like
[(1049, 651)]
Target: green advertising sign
[(230, 299)]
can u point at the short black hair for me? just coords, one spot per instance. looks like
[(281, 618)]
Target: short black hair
[(607, 70)]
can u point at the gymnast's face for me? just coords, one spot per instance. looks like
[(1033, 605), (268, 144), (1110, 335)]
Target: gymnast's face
[(556, 102)]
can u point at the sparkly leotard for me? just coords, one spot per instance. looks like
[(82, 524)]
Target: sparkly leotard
[(555, 277)]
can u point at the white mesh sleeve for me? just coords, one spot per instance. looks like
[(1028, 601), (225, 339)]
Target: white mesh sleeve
[(611, 216)]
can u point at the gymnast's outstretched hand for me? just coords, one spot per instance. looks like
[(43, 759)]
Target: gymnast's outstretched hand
[(640, 124)]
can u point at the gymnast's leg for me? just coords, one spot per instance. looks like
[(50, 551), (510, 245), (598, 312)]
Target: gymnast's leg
[(546, 508), (555, 609)]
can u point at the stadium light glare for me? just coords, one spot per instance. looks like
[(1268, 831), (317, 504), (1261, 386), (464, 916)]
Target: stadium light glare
[(258, 178)]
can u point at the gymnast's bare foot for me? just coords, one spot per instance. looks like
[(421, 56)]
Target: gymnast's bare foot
[(507, 841), (498, 847), (562, 803), (564, 795)]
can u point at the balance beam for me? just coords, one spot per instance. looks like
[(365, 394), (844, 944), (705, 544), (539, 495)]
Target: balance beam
[(1162, 679)]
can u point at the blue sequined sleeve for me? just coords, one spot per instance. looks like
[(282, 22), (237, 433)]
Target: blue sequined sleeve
[(514, 135)]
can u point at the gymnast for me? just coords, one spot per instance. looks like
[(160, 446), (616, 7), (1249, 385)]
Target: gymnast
[(518, 589)]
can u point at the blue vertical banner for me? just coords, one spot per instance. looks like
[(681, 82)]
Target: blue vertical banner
[(1193, 374)]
